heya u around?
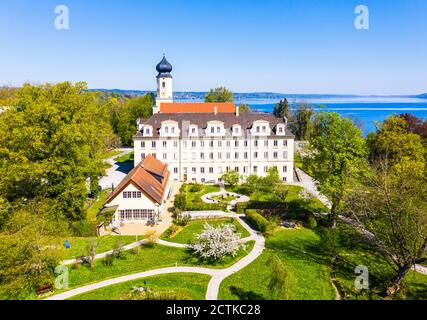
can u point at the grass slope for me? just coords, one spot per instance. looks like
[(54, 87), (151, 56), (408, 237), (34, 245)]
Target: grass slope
[(182, 285)]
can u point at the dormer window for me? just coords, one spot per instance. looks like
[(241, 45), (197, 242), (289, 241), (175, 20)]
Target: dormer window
[(166, 129), (173, 130), (147, 131), (257, 129), (264, 129), (212, 130), (218, 129), (193, 130)]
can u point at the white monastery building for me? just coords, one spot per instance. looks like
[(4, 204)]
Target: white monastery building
[(196, 142), (202, 141)]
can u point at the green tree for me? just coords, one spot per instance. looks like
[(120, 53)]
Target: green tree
[(279, 280), (301, 123), (27, 255), (282, 109), (337, 157), (403, 150), (393, 208), (220, 94), (52, 141), (124, 116), (231, 178), (243, 108)]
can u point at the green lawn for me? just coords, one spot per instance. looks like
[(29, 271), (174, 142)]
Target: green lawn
[(293, 199), (181, 286), (195, 196), (224, 199), (147, 258), (309, 276), (105, 243), (124, 158), (188, 233), (97, 205)]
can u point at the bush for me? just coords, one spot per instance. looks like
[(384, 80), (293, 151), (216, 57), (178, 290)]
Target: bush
[(182, 219), (328, 245), (196, 187), (118, 250), (109, 259), (151, 238), (172, 231), (312, 222), (258, 221), (180, 201), (83, 228)]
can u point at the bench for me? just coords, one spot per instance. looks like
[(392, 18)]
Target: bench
[(44, 289)]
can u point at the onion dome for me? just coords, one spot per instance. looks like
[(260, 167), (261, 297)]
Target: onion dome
[(164, 68)]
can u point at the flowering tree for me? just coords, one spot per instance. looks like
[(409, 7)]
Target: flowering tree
[(217, 243)]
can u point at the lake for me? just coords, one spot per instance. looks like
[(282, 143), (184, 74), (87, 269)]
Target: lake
[(365, 111)]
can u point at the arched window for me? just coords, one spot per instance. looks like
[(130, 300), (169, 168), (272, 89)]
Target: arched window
[(163, 84)]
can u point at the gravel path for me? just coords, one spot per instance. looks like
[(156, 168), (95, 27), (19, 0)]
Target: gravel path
[(117, 172)]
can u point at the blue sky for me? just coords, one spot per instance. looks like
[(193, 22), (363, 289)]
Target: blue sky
[(288, 46)]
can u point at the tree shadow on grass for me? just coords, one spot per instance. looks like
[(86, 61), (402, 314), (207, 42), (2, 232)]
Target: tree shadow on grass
[(125, 167), (245, 294)]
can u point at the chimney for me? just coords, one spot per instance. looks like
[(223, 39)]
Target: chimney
[(216, 110), (237, 111)]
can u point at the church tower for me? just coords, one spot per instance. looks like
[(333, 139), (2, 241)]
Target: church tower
[(164, 84)]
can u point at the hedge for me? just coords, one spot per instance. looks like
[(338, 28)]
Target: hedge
[(258, 221)]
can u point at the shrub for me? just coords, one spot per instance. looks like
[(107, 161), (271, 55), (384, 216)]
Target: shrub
[(215, 243), (151, 238), (312, 222), (182, 219), (196, 187), (91, 252), (83, 228), (258, 221), (109, 259), (118, 250), (180, 201), (328, 245), (136, 250), (172, 231)]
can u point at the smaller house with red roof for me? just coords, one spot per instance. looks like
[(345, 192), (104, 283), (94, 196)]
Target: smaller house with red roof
[(140, 195)]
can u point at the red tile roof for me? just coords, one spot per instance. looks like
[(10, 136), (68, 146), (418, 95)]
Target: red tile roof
[(202, 107), (150, 176)]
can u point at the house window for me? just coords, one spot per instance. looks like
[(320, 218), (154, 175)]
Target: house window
[(256, 143), (236, 169), (163, 84), (220, 144), (275, 155), (246, 143), (219, 155), (166, 129), (265, 155), (193, 130), (228, 144), (265, 169), (132, 194), (202, 144), (153, 144), (236, 155), (257, 129), (228, 155), (236, 143), (202, 156), (165, 156), (211, 155), (280, 129), (275, 143), (218, 129), (264, 129), (285, 154), (175, 170), (285, 143), (194, 170), (245, 155), (202, 170), (142, 156), (147, 131), (212, 130), (165, 144), (266, 143), (255, 169), (193, 144), (211, 170), (173, 129), (211, 144), (255, 155), (175, 144), (285, 169), (142, 144), (154, 156), (175, 156)]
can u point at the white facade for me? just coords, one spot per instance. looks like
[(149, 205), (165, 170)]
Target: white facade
[(134, 206), (205, 158)]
